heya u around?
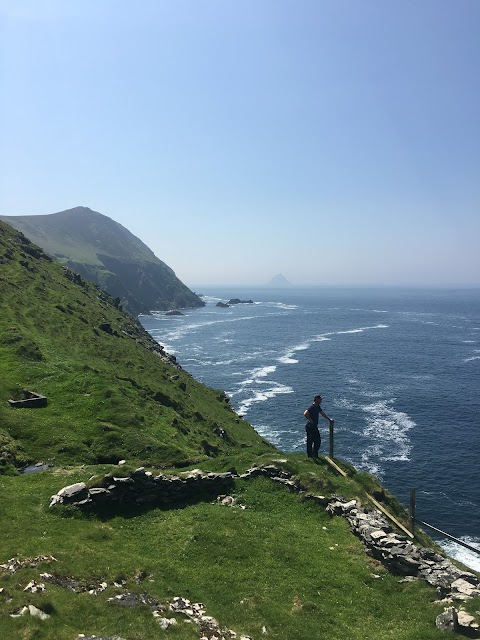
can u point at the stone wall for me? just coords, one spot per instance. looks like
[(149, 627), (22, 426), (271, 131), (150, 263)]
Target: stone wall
[(396, 552)]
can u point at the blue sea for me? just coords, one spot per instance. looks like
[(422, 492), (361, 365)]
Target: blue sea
[(398, 370)]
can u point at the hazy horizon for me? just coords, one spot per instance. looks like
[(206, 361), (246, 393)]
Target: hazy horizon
[(335, 143), (379, 286)]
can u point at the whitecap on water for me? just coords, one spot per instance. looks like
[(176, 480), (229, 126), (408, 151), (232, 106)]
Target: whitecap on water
[(262, 396), (288, 358), (344, 403), (462, 554), (471, 358), (389, 428)]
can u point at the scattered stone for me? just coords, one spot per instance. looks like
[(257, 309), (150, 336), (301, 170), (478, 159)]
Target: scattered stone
[(136, 600), (71, 494), (76, 586), (448, 620), (466, 620), (32, 610), (164, 622), (35, 587), (14, 564)]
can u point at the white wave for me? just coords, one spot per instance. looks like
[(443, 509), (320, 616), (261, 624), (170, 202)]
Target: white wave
[(288, 357), (183, 329), (351, 331), (389, 428), (275, 436), (471, 358), (263, 396), (262, 372), (372, 394), (369, 459), (322, 336), (344, 403), (462, 554), (281, 305), (469, 341)]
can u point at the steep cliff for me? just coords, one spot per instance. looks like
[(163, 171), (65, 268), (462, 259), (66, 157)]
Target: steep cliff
[(103, 251)]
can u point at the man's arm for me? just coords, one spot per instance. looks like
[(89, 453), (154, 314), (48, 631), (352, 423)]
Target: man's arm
[(307, 415), (324, 415)]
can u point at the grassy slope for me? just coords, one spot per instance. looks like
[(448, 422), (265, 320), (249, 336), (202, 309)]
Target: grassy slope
[(281, 563), (109, 397)]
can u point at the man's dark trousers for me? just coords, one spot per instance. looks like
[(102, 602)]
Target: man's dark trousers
[(313, 441)]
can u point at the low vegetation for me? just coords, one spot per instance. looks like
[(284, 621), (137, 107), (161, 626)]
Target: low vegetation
[(270, 565)]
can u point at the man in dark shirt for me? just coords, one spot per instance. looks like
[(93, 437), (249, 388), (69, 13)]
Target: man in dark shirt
[(313, 434)]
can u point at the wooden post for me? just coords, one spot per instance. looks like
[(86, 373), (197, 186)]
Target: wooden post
[(331, 439), (411, 512)]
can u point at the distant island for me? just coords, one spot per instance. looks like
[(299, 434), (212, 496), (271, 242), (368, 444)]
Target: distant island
[(279, 281)]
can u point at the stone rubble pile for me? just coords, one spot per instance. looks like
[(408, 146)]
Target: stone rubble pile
[(195, 612), (401, 556), (14, 564)]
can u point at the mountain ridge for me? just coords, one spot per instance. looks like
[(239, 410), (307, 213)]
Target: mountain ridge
[(107, 253)]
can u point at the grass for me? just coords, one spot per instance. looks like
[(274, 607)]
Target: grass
[(110, 394), (281, 563)]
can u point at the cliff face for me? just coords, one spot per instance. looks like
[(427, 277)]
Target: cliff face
[(109, 255)]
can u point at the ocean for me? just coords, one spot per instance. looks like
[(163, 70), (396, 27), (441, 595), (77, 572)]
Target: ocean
[(398, 370)]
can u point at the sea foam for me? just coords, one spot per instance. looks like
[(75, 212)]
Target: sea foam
[(462, 554)]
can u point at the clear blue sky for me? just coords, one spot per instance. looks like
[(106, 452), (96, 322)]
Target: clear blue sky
[(336, 142)]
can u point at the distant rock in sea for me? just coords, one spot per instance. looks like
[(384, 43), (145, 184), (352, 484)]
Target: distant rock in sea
[(279, 281)]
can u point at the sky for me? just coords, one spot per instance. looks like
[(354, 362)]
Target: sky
[(336, 142)]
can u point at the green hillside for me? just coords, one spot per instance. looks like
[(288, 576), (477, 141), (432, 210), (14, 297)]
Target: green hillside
[(265, 562), (106, 253), (111, 391)]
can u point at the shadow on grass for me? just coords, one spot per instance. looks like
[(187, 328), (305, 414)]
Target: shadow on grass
[(132, 509)]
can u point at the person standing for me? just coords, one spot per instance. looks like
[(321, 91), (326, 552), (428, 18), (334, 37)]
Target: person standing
[(313, 434)]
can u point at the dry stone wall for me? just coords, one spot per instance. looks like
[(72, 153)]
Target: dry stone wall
[(396, 552)]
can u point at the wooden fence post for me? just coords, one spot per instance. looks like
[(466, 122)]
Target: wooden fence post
[(411, 511), (331, 438)]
